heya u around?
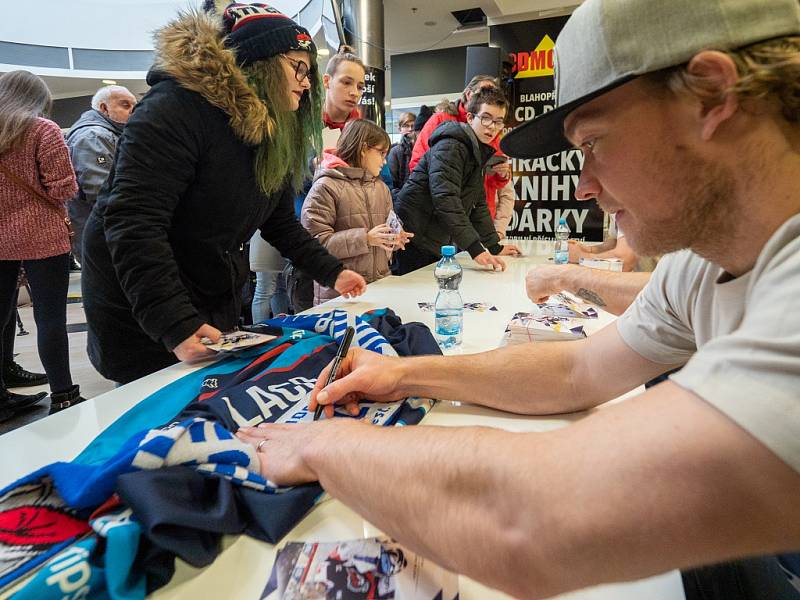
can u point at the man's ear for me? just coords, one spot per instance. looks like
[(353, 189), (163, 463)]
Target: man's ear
[(715, 74)]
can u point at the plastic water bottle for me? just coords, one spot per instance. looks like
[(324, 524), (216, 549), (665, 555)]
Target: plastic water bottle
[(449, 307), (561, 253)]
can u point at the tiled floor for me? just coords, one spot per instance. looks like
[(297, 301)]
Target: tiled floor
[(91, 382)]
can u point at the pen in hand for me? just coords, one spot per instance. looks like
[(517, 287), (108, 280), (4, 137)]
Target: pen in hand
[(341, 352)]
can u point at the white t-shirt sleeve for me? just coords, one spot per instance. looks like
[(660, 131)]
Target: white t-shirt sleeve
[(752, 374), (657, 324), (613, 230)]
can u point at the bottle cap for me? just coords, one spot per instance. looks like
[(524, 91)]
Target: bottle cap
[(448, 250), (562, 221)]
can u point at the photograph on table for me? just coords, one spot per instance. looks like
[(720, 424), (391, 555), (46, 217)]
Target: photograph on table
[(364, 569), (526, 327)]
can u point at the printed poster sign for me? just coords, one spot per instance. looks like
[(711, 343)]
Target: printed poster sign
[(371, 105), (545, 187)]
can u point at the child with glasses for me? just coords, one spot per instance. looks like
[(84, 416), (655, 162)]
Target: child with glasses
[(443, 201), (348, 205)]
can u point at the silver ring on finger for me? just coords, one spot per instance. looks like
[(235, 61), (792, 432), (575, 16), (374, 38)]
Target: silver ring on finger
[(261, 443)]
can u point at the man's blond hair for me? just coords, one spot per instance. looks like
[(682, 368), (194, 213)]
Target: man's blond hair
[(767, 70)]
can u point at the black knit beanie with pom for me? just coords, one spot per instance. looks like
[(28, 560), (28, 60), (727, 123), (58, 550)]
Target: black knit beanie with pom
[(258, 31)]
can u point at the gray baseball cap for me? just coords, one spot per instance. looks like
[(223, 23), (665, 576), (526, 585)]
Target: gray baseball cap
[(606, 43)]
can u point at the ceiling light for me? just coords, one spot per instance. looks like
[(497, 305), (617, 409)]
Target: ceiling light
[(323, 52), (109, 82)]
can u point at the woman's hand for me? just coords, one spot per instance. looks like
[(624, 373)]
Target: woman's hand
[(350, 284), (402, 239), (192, 349), (382, 237)]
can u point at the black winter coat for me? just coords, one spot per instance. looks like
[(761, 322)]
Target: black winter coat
[(398, 159), (443, 201), (163, 249)]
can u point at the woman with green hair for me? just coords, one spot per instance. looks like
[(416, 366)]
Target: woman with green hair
[(214, 152)]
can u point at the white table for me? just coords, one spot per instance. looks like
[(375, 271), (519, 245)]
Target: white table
[(242, 569)]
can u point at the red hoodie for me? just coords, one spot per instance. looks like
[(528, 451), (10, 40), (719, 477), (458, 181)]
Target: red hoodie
[(337, 125), (491, 183)]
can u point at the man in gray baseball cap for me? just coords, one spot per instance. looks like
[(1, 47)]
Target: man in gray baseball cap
[(608, 43), (688, 113)]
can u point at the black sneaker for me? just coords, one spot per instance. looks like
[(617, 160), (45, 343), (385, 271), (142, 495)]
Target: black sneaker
[(16, 402), (74, 265), (15, 376)]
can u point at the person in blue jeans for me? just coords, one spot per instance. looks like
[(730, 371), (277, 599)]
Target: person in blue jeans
[(269, 298)]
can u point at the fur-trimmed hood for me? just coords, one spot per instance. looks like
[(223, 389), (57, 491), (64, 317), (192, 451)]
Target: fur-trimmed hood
[(191, 50)]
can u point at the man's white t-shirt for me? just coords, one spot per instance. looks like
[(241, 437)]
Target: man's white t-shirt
[(738, 337)]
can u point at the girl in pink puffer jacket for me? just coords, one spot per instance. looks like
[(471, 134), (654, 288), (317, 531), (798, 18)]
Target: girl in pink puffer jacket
[(348, 205)]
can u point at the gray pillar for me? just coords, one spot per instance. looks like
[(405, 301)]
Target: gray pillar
[(363, 29)]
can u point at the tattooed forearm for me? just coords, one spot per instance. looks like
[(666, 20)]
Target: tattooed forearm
[(591, 296)]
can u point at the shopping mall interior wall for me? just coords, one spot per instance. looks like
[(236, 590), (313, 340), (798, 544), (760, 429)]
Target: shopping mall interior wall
[(428, 73)]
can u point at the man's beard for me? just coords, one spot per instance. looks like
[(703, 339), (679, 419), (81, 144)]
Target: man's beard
[(703, 213)]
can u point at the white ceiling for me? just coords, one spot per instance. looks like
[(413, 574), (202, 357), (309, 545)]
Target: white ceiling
[(405, 31), (70, 87)]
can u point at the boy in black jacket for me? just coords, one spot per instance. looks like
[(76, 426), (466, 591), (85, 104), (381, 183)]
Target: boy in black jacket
[(443, 201)]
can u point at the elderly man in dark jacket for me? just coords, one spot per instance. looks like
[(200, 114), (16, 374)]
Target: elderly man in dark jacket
[(443, 201), (92, 143)]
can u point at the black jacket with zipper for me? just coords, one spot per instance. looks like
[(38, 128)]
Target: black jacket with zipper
[(443, 201), (163, 245), (398, 159)]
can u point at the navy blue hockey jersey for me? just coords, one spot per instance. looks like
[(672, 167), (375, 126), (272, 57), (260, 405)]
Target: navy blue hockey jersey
[(175, 490)]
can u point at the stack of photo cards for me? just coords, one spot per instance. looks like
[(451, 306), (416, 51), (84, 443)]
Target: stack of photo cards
[(566, 305), (372, 568), (526, 327)]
